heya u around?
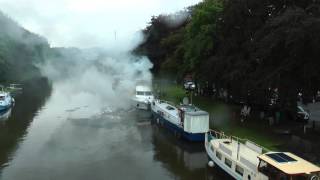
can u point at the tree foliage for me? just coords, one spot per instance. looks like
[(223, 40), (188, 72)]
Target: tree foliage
[(200, 32), (246, 44)]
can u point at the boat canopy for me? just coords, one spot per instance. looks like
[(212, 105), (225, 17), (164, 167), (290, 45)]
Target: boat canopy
[(289, 163)]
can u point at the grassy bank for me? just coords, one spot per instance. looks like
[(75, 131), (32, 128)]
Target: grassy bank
[(225, 117)]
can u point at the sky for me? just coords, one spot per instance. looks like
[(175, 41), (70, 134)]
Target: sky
[(89, 23)]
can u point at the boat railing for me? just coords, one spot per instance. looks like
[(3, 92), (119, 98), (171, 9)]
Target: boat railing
[(218, 134), (222, 135), (167, 102)]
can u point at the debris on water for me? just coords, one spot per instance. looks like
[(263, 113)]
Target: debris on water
[(131, 110), (106, 110), (143, 123), (73, 110)]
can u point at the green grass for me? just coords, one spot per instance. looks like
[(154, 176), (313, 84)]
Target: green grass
[(264, 139), (172, 93)]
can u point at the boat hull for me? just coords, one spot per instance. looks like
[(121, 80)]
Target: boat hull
[(141, 105), (4, 107), (218, 162), (176, 130)]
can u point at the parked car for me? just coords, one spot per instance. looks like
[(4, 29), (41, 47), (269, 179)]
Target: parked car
[(189, 85), (302, 114)]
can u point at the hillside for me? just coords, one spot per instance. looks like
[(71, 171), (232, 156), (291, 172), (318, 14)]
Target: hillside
[(20, 50)]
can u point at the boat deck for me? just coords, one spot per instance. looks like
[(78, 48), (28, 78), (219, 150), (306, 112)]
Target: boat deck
[(248, 153), (172, 112)]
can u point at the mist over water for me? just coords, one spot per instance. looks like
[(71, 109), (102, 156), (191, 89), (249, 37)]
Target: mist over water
[(98, 78), (87, 129), (87, 122)]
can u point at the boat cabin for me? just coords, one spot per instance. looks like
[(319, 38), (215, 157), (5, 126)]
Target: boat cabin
[(143, 91), (193, 119), (286, 166)]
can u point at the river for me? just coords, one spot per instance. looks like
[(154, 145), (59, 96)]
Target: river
[(52, 135)]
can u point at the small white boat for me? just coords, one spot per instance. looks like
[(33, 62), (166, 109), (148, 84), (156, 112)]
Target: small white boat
[(243, 159), (185, 121), (143, 97), (15, 87), (6, 101)]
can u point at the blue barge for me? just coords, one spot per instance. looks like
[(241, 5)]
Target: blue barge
[(186, 121)]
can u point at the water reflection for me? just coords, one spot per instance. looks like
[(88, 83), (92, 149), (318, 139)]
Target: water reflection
[(70, 139), (78, 136), (4, 115), (184, 159), (15, 122)]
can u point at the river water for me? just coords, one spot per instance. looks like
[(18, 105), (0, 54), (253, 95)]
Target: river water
[(52, 135)]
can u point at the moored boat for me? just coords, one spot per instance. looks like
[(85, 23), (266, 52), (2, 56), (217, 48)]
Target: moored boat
[(15, 87), (143, 97), (6, 100), (243, 159), (186, 121)]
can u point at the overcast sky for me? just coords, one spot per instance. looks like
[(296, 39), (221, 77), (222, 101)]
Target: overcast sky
[(88, 23)]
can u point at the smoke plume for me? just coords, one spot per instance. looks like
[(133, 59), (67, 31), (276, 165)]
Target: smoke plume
[(101, 76)]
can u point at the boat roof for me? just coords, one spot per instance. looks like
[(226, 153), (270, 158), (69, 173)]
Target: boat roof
[(197, 113), (192, 110), (169, 108), (143, 88), (289, 163), (188, 107)]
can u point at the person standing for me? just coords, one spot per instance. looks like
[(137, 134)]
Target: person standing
[(245, 112)]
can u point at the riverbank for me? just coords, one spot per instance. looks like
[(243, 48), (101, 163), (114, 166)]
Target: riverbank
[(226, 117)]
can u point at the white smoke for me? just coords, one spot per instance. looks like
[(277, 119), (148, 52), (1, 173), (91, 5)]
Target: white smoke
[(88, 23), (103, 77), (178, 18)]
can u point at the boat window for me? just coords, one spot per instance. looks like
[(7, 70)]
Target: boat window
[(218, 155), (301, 177), (1, 97), (239, 170), (140, 93), (270, 171), (228, 162), (148, 93), (170, 108)]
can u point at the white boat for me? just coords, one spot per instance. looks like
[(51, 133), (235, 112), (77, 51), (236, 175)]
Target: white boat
[(15, 87), (185, 121), (143, 97), (6, 100), (243, 159)]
